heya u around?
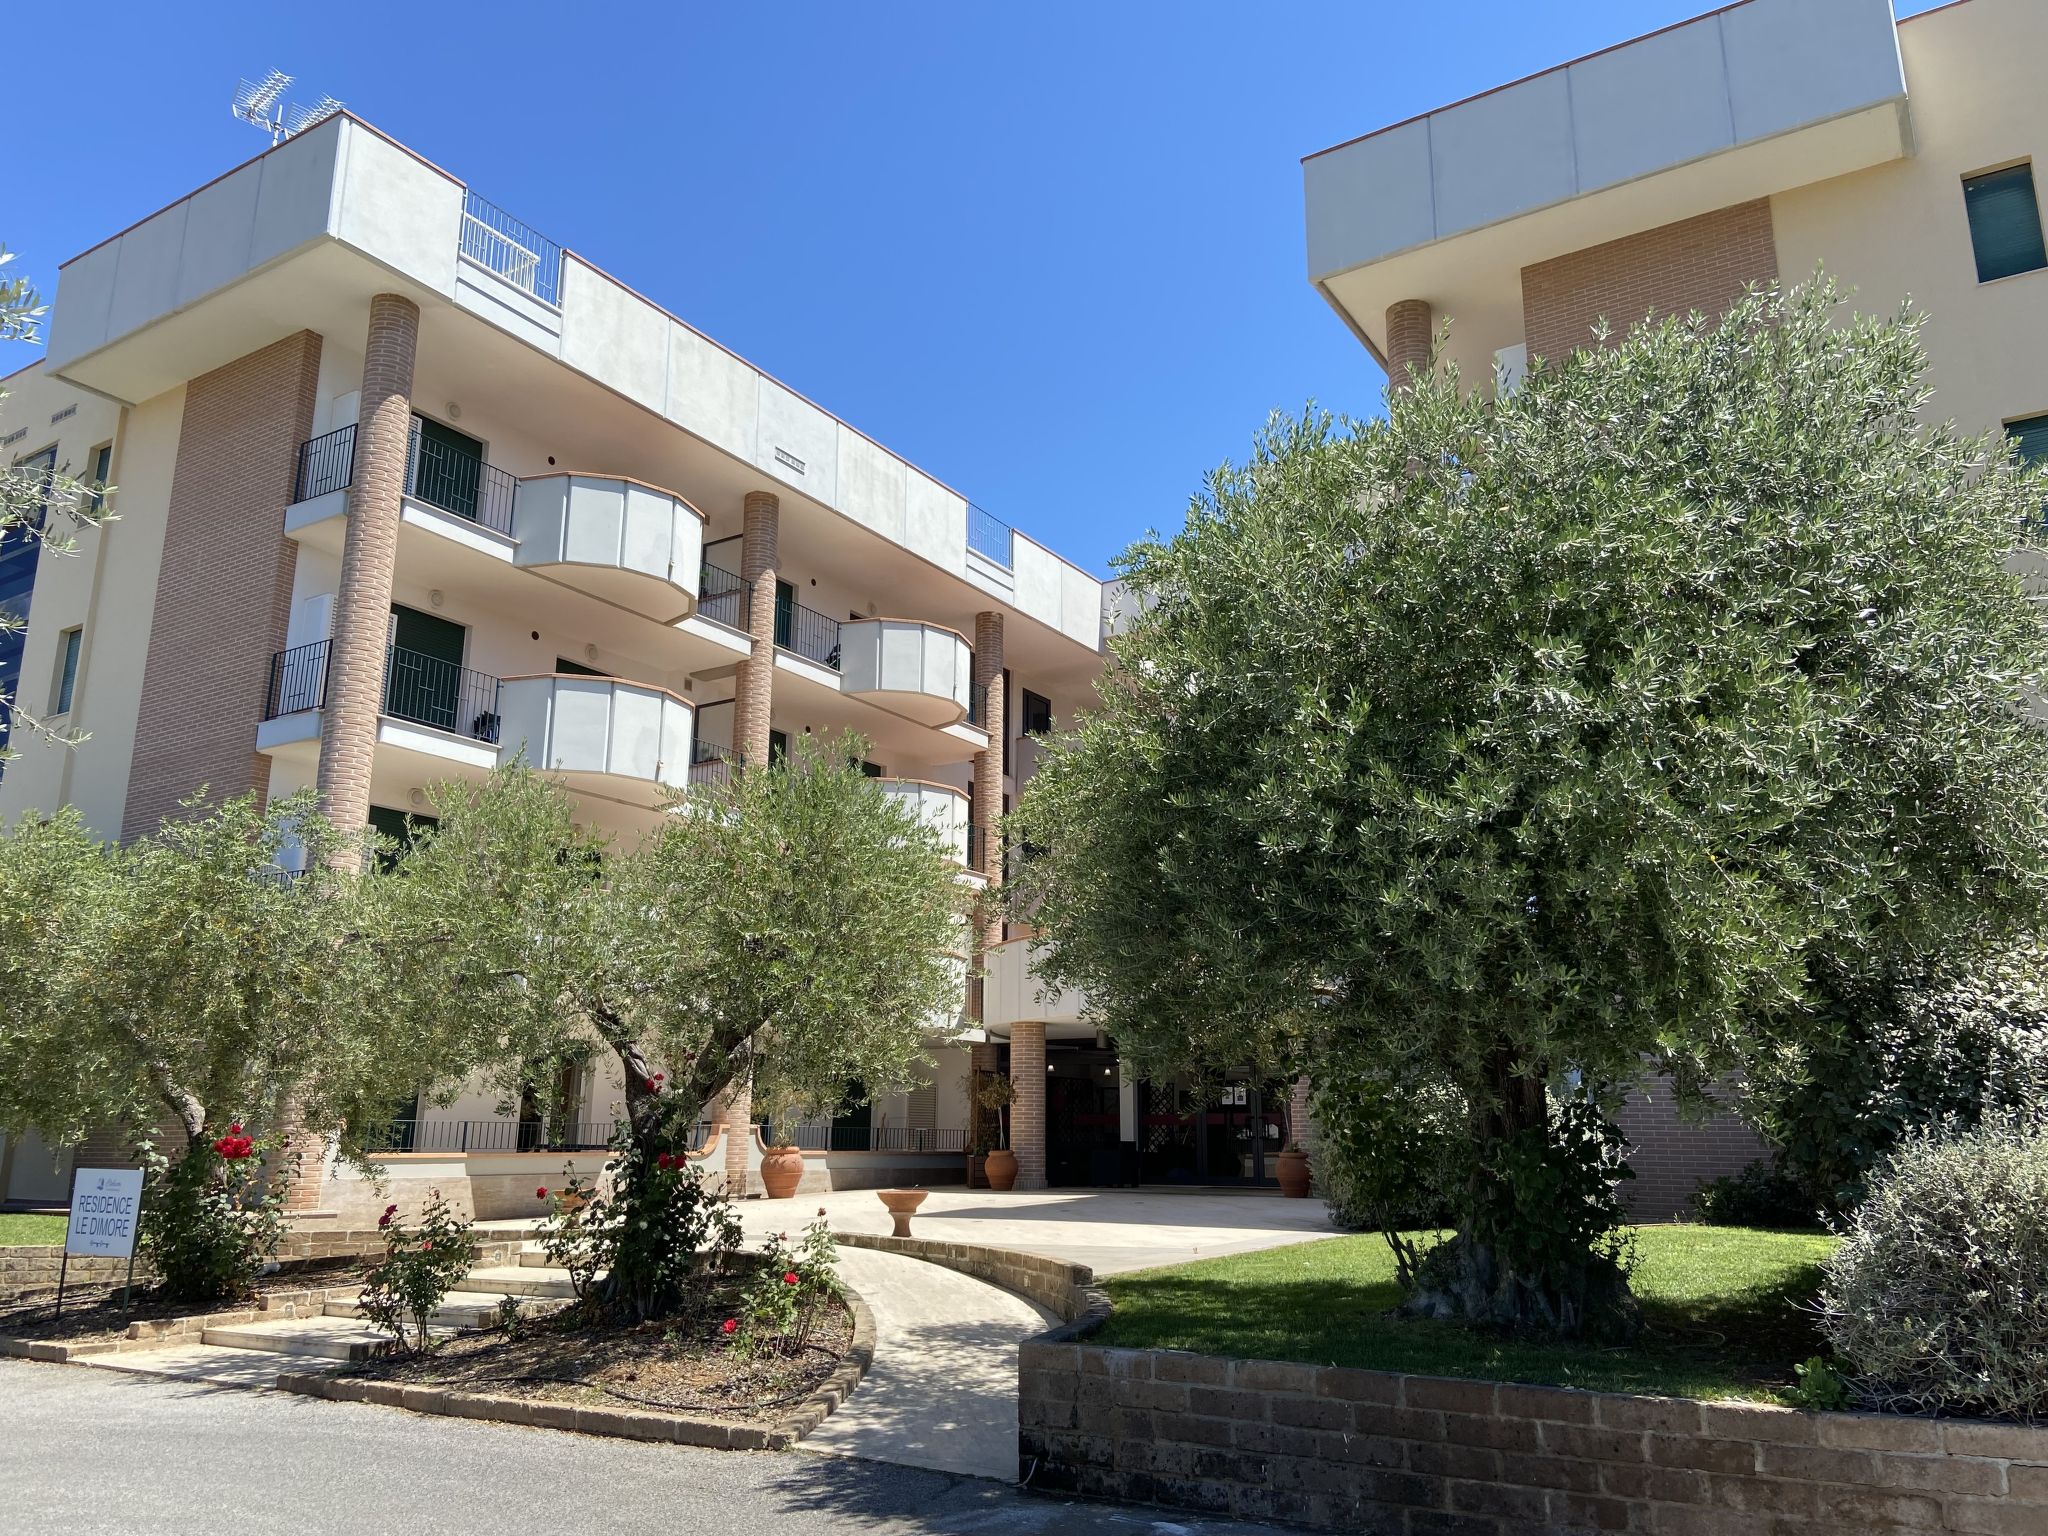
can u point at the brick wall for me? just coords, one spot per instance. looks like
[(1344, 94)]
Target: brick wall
[(1373, 1452), (1700, 263), (1672, 1157), (224, 587)]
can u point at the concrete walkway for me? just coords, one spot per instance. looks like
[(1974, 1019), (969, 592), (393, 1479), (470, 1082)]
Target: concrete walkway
[(1110, 1230), (942, 1392)]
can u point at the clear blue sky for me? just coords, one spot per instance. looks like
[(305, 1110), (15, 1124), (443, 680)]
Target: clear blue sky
[(1049, 251)]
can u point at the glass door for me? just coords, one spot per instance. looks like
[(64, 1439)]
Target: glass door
[(424, 680)]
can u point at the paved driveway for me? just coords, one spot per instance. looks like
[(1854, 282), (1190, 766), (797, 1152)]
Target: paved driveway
[(93, 1453), (1110, 1230)]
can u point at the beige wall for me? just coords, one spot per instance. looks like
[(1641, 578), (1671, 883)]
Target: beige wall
[(1974, 77)]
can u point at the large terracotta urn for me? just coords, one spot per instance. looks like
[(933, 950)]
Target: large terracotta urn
[(901, 1202), (1294, 1176), (782, 1169), (1002, 1169)]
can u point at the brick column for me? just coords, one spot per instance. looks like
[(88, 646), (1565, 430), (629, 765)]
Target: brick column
[(754, 686), (1411, 330), (1298, 1125), (985, 805), (1027, 1109), (735, 1111), (369, 552)]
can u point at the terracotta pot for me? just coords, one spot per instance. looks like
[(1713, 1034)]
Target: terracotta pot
[(1002, 1169), (1294, 1179), (901, 1202), (782, 1169)]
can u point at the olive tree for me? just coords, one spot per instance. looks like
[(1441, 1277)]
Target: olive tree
[(794, 928), (1499, 745)]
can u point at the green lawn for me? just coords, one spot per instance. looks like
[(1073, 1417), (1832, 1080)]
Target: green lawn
[(31, 1231), (1721, 1305)]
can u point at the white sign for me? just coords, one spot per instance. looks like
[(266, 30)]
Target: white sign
[(103, 1206)]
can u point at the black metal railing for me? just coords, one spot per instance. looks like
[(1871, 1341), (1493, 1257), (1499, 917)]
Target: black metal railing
[(989, 535), (977, 703), (831, 1136), (723, 596), (459, 482), (298, 680), (429, 691), (711, 763), (517, 252), (501, 1135), (326, 463), (977, 840), (807, 633)]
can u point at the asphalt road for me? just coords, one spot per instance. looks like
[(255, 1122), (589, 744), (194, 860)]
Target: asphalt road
[(100, 1453)]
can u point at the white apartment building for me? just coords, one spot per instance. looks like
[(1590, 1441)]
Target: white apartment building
[(406, 490), (1760, 141)]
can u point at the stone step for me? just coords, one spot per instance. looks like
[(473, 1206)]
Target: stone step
[(330, 1338), (464, 1308), (518, 1280)]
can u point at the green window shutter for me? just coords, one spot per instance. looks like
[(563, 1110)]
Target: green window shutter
[(2005, 223), (2030, 437)]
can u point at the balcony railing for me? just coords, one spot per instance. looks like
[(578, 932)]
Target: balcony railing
[(298, 680), (990, 536), (831, 1136), (977, 703), (459, 482), (426, 690), (808, 634), (501, 1135), (711, 763), (327, 463), (723, 596), (518, 253)]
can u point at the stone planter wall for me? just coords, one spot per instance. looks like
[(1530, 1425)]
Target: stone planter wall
[(1374, 1452), (35, 1269)]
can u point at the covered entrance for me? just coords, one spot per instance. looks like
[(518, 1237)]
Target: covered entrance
[(1228, 1132)]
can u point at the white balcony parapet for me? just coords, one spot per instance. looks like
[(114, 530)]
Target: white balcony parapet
[(919, 670), (598, 733), (623, 541), (939, 806), (1013, 994)]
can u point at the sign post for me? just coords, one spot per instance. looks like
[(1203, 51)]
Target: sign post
[(104, 1204)]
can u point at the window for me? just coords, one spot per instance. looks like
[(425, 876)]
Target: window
[(2005, 223), (2030, 437), (68, 645), (570, 668), (1037, 712), (96, 480)]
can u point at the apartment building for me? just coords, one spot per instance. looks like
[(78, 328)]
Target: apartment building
[(406, 490), (1761, 141)]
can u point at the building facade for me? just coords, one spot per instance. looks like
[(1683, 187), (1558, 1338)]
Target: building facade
[(405, 490), (1764, 141)]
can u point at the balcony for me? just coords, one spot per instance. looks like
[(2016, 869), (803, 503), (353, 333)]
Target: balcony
[(712, 764), (418, 689), (922, 671), (633, 546), (939, 806), (625, 741)]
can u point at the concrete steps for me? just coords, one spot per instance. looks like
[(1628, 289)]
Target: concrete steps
[(464, 1308), (329, 1338), (519, 1280)]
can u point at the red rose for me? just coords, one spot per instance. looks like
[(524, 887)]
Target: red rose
[(541, 1193), (653, 1086), (790, 1278), (730, 1325), (427, 1245), (383, 1221), (661, 1077), (390, 1208), (235, 1129)]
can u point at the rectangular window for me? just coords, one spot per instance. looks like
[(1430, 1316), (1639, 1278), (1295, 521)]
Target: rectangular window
[(2030, 436), (2005, 223), (68, 645), (96, 481), (1037, 713)]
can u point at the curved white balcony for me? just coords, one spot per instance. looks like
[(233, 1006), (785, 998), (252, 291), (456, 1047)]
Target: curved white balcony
[(939, 806), (634, 545), (1013, 994), (625, 740), (922, 671)]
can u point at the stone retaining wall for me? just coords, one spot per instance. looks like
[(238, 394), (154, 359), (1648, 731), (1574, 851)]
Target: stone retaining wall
[(1059, 1287), (25, 1270), (1374, 1452)]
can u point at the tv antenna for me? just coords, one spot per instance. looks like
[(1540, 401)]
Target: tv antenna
[(261, 104)]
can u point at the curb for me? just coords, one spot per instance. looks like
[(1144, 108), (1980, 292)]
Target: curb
[(620, 1423)]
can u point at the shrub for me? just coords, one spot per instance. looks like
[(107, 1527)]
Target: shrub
[(643, 1241), (213, 1219), (1386, 1153), (781, 1306), (421, 1266), (1762, 1195), (1898, 1054), (1937, 1300)]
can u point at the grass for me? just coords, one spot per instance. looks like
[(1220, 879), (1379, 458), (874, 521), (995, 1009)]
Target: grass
[(1721, 1307), (31, 1231)]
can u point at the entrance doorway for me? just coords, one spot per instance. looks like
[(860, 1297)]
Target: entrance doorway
[(1082, 1123), (1227, 1132)]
